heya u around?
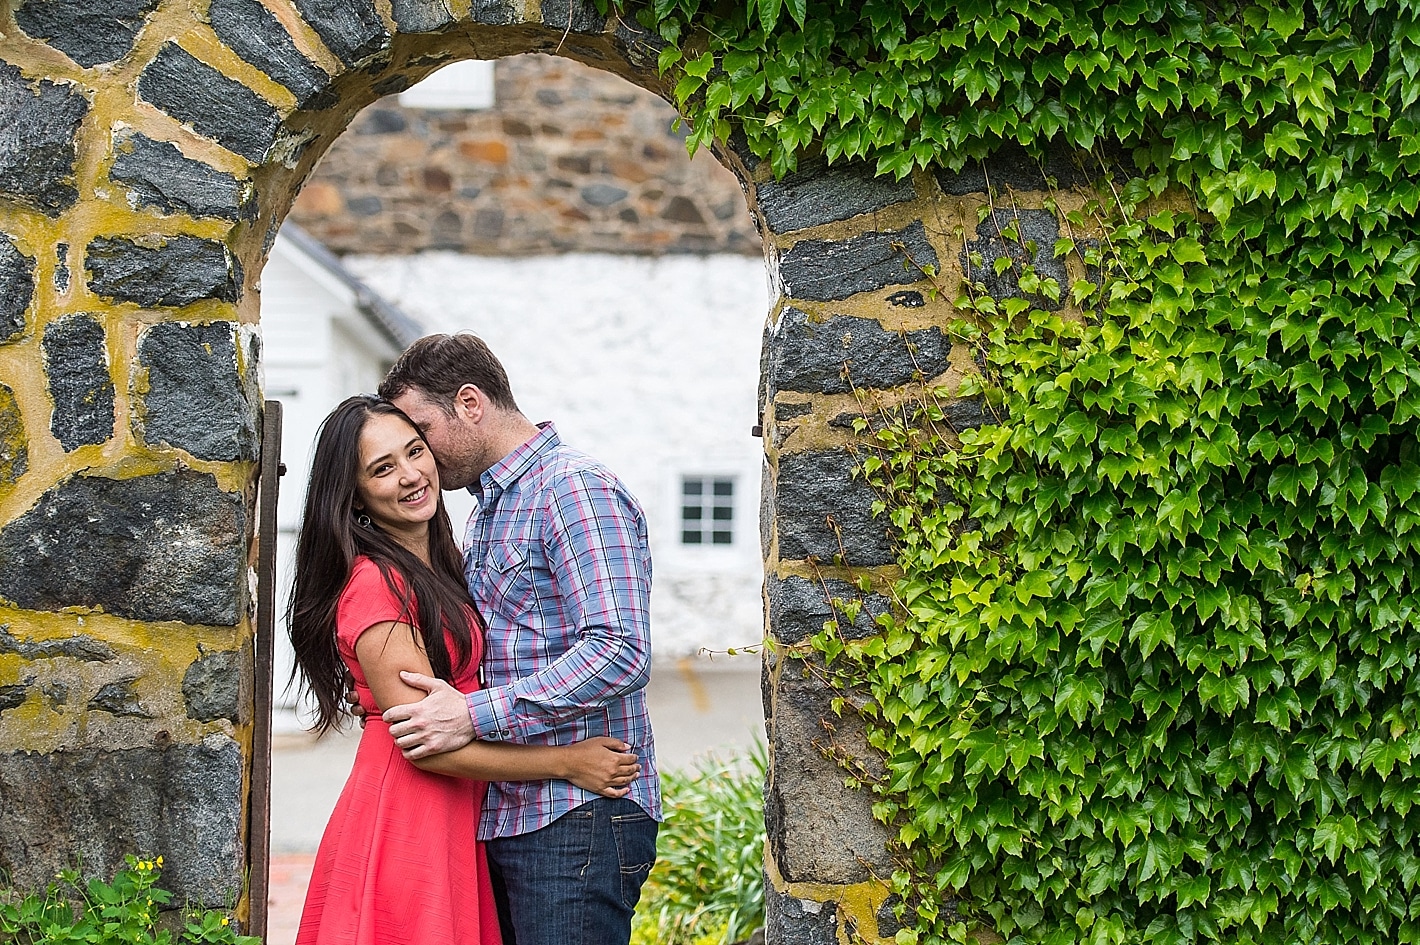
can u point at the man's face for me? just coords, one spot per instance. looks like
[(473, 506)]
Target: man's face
[(455, 439)]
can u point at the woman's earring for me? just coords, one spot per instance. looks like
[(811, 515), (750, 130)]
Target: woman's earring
[(363, 520)]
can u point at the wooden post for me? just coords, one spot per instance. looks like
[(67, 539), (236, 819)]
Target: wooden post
[(259, 811)]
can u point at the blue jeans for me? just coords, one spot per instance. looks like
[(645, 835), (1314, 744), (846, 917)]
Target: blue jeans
[(575, 881)]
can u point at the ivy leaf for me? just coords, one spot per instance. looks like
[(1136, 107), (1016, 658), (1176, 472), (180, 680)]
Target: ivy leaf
[(1188, 250), (1102, 629), (1284, 20), (1032, 585), (717, 96), (1335, 835), (700, 66), (1224, 693), (1402, 481), (1077, 426), (769, 14), (667, 58), (687, 87), (1150, 631), (1208, 600), (1156, 860), (1361, 58), (1078, 694)]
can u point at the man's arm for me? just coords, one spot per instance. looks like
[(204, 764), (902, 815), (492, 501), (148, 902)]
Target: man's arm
[(592, 537)]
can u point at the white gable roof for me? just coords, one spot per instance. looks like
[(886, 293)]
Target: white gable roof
[(390, 324)]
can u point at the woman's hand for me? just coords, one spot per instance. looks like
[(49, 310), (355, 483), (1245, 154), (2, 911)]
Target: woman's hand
[(601, 765), (352, 700)]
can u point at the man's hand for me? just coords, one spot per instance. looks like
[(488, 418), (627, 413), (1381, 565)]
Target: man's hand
[(435, 724)]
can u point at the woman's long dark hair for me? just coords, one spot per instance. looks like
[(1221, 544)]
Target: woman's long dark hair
[(329, 542)]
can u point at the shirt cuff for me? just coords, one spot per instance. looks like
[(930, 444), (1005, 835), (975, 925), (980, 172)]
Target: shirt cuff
[(491, 711)]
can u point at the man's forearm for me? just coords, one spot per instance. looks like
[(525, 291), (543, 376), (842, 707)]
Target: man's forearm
[(600, 668)]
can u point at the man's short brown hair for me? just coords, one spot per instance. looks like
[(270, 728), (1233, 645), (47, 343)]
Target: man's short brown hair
[(436, 366)]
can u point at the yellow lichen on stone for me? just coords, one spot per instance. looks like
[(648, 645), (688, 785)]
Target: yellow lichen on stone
[(66, 659), (14, 452), (857, 903)]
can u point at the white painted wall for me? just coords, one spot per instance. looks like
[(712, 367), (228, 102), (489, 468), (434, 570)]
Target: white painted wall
[(318, 349), (651, 365)]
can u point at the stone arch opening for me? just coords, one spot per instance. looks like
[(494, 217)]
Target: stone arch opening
[(150, 150), (624, 289)]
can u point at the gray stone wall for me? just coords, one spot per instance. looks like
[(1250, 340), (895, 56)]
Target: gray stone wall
[(857, 334)]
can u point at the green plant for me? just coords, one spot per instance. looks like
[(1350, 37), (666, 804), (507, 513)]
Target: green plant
[(125, 911), (707, 887)]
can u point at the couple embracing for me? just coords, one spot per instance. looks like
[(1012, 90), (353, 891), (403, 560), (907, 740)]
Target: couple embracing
[(505, 786)]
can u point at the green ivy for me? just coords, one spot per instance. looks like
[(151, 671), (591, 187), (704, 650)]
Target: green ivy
[(1155, 674)]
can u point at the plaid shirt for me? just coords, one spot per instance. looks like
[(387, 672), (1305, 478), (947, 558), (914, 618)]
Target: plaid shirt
[(557, 560)]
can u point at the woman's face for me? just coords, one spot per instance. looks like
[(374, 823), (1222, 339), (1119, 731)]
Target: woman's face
[(398, 481)]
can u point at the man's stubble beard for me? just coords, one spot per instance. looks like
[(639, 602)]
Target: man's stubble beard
[(476, 461)]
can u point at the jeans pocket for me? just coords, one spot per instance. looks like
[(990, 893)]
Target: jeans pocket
[(636, 850)]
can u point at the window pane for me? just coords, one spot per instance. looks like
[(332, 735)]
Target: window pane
[(707, 501), (467, 84)]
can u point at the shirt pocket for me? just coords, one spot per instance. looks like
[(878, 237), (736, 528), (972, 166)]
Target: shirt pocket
[(504, 585)]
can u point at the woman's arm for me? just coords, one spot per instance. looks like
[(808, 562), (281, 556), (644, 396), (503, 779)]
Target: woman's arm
[(600, 765)]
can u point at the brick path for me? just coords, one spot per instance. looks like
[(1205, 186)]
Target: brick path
[(290, 874)]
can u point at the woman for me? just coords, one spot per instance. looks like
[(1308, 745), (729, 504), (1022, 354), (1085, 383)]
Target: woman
[(379, 589)]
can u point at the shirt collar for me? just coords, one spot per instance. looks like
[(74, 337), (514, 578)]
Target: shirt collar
[(511, 468)]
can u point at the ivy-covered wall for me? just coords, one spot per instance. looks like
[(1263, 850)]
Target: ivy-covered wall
[(1149, 668), (846, 348)]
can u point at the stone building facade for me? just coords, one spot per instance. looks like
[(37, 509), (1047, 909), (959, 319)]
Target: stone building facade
[(564, 159), (149, 151)]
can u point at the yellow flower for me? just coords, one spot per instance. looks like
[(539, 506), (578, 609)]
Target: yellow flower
[(225, 920), (160, 861)]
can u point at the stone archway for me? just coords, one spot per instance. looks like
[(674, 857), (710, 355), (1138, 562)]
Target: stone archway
[(149, 150)]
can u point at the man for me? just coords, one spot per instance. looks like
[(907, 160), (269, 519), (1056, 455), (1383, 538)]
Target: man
[(557, 560)]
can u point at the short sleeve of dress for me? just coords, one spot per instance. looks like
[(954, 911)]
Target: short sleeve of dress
[(366, 601)]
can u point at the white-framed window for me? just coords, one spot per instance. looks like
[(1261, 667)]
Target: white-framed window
[(467, 84), (707, 510)]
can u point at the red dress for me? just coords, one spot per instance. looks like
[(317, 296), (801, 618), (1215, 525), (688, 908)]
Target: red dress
[(399, 863)]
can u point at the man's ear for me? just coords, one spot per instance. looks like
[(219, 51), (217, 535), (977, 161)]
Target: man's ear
[(470, 402)]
